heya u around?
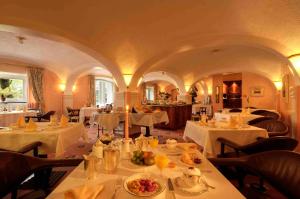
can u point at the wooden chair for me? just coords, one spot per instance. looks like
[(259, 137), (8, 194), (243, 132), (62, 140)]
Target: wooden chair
[(73, 114), (281, 169), (16, 167), (41, 118), (235, 110), (259, 119), (29, 147)]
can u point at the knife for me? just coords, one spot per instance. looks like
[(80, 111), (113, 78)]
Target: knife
[(171, 188)]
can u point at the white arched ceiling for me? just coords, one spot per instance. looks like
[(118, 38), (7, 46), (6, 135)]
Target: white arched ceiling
[(141, 33), (200, 63), (163, 76)]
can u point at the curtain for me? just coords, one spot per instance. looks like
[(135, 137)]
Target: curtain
[(92, 90), (35, 76)]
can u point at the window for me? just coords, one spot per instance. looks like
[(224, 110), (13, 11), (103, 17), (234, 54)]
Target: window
[(104, 91), (150, 93), (13, 87)]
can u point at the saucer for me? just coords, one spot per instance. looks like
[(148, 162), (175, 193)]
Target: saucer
[(197, 189)]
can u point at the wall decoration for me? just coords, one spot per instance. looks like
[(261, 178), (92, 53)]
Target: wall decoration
[(257, 91)]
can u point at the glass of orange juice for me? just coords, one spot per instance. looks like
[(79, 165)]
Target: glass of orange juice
[(153, 142), (161, 161)]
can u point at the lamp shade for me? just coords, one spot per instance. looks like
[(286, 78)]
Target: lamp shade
[(127, 78)]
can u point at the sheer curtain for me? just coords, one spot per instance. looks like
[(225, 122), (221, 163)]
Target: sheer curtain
[(35, 76), (92, 90)]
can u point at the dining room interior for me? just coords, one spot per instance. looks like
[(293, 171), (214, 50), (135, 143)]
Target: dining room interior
[(149, 99)]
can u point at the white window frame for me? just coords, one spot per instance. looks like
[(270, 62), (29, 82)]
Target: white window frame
[(147, 93), (22, 76), (106, 79)]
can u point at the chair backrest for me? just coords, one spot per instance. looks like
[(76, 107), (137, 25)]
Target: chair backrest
[(273, 126), (47, 115), (235, 110), (259, 119), (269, 144), (16, 167), (266, 113), (280, 168)]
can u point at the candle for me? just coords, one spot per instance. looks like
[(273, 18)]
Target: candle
[(127, 122)]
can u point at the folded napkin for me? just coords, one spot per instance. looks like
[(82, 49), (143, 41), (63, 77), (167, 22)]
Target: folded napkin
[(64, 121), (21, 122), (31, 126), (53, 120), (84, 192)]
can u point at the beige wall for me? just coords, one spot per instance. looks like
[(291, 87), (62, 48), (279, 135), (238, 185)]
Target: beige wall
[(268, 100), (81, 93)]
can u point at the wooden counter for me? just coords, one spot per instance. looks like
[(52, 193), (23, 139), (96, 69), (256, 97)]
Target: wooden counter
[(178, 115)]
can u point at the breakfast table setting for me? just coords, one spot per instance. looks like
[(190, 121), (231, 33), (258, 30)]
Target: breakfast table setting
[(142, 168), (56, 136), (205, 133)]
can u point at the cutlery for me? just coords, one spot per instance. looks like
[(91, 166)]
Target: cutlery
[(171, 188), (117, 187), (206, 184)]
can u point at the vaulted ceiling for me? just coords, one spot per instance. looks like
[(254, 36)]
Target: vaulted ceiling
[(190, 38)]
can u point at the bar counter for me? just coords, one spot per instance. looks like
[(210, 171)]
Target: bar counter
[(178, 115)]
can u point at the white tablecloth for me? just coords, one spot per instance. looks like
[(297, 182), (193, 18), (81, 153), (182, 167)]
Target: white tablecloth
[(243, 116), (213, 177), (207, 136), (86, 112), (108, 121), (54, 140), (8, 118), (111, 120)]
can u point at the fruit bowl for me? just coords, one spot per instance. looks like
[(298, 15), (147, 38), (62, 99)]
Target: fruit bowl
[(143, 158)]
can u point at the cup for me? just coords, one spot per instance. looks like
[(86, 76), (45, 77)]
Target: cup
[(111, 158)]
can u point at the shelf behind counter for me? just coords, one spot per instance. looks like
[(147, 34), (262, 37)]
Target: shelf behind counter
[(178, 115)]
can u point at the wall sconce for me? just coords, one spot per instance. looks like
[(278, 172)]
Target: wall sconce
[(295, 60), (140, 81), (127, 79), (187, 87), (62, 87), (74, 87), (278, 85), (209, 90)]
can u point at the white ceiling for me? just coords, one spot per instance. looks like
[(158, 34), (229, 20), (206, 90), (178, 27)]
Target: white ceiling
[(137, 37), (61, 58)]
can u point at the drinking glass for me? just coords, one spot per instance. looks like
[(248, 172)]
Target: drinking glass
[(161, 161), (153, 142)]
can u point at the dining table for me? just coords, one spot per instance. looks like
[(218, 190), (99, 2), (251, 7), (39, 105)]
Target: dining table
[(55, 139), (217, 186), (7, 118), (206, 136), (110, 121), (86, 112)]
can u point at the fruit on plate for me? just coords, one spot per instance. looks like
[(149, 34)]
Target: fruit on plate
[(190, 158), (143, 158), (140, 186)]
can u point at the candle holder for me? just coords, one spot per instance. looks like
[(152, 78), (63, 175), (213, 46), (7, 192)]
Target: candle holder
[(126, 150)]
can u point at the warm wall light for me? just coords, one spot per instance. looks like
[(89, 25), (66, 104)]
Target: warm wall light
[(74, 88), (62, 87), (209, 90), (187, 87), (278, 85), (295, 60), (127, 79)]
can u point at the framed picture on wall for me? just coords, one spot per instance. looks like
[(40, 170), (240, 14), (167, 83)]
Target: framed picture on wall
[(257, 91)]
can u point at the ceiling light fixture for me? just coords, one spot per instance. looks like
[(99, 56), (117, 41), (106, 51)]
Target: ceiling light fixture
[(295, 60)]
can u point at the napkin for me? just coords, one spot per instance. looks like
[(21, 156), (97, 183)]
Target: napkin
[(64, 121), (84, 192), (187, 146), (21, 122), (53, 120), (31, 126)]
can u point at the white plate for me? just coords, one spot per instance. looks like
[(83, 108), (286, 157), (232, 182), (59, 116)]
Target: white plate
[(174, 151), (145, 176), (197, 189)]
